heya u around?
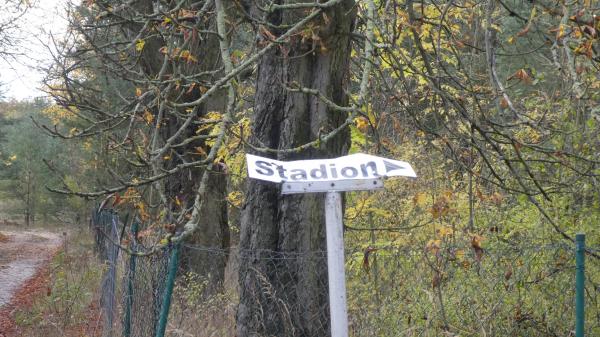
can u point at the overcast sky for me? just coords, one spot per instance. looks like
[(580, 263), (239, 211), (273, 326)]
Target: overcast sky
[(20, 79)]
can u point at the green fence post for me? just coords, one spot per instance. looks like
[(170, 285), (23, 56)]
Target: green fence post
[(166, 304), (129, 299), (579, 284)]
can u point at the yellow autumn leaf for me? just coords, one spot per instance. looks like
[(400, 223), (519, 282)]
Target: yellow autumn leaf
[(184, 54), (420, 199), (148, 117), (187, 55), (213, 115), (235, 198), (192, 59), (138, 92), (222, 153), (561, 32), (202, 128), (361, 123), (139, 45), (459, 254), (433, 246), (445, 231), (142, 210)]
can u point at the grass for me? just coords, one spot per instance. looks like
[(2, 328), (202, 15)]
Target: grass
[(192, 315)]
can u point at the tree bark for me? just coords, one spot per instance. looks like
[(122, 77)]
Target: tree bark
[(283, 271)]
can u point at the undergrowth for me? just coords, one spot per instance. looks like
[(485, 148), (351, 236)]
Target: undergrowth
[(67, 308), (194, 313)]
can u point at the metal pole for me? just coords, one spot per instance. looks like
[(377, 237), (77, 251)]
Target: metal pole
[(166, 304), (111, 278), (130, 280), (335, 262), (579, 285)]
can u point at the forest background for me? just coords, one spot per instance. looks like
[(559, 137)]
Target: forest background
[(153, 104)]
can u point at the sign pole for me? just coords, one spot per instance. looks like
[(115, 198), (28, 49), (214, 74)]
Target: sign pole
[(335, 260)]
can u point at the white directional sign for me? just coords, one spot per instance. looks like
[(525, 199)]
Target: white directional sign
[(352, 167)]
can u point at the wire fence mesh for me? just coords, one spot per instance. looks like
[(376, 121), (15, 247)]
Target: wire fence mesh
[(142, 292), (131, 303), (413, 292), (104, 225), (504, 292), (435, 290)]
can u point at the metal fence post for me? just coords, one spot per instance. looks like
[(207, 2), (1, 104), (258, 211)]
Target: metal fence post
[(130, 278), (166, 304), (108, 222), (579, 285)]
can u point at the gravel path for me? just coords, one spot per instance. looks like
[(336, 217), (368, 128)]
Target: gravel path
[(21, 256)]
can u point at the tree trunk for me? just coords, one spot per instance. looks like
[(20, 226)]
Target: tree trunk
[(32, 203), (212, 239), (283, 270), (28, 200), (180, 189)]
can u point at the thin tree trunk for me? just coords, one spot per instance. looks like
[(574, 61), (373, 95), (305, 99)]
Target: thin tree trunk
[(283, 281), (33, 204), (28, 200)]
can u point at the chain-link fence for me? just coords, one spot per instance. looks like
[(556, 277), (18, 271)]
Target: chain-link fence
[(454, 292), (133, 304), (105, 228), (145, 281), (439, 289)]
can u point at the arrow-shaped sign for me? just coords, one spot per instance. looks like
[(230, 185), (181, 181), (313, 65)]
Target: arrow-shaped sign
[(351, 167)]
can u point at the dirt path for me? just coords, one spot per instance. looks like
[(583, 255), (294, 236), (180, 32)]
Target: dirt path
[(21, 256)]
